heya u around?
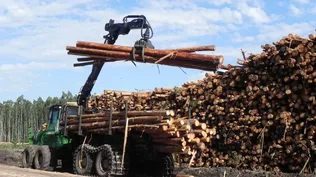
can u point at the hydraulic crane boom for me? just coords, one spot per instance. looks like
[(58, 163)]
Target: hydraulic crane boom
[(116, 29)]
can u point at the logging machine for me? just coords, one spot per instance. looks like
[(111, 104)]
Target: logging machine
[(97, 154)]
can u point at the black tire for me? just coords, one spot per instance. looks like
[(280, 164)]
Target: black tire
[(28, 156), (45, 159), (103, 162), (85, 166), (109, 162)]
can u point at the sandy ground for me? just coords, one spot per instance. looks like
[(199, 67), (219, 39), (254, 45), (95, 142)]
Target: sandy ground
[(13, 171), (10, 166), (11, 157)]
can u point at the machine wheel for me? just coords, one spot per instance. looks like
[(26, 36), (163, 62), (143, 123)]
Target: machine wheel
[(108, 162), (103, 162), (82, 162), (28, 156), (45, 159)]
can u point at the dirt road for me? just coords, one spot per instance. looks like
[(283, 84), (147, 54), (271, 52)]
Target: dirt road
[(12, 171), (10, 166)]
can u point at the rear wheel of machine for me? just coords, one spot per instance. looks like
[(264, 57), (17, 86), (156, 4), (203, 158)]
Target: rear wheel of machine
[(103, 162), (82, 162), (109, 162), (28, 156), (45, 159)]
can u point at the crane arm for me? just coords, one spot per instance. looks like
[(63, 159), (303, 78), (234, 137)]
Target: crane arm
[(114, 29)]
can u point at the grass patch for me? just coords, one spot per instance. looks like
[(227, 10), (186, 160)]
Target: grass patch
[(12, 146)]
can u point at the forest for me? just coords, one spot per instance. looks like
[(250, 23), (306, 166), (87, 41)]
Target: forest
[(17, 116)]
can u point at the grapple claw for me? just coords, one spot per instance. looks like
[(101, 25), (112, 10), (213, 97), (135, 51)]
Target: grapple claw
[(143, 54), (133, 53)]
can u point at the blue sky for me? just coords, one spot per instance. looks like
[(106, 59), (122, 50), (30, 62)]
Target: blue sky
[(35, 33)]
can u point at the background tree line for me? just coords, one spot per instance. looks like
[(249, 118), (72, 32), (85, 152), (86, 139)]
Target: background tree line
[(17, 116)]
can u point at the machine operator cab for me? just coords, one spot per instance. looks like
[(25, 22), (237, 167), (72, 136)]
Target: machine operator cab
[(58, 112), (54, 115), (49, 133)]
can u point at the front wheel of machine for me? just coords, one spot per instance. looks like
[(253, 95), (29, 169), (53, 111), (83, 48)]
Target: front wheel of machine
[(45, 159), (82, 162), (28, 156)]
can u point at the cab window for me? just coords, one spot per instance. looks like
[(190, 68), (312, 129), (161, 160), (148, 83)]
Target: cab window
[(53, 120)]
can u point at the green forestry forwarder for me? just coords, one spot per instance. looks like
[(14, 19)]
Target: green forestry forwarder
[(98, 155)]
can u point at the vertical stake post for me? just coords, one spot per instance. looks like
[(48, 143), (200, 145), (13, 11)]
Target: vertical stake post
[(111, 116), (66, 121), (125, 133), (80, 120)]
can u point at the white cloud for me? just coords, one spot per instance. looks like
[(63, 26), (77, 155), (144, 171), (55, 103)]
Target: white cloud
[(239, 38), (313, 10), (272, 33), (163, 4), (32, 66), (45, 36), (302, 1), (188, 18), (257, 14), (220, 2), (21, 77), (17, 81), (295, 11)]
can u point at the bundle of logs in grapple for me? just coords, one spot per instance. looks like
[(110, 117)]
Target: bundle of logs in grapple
[(182, 57)]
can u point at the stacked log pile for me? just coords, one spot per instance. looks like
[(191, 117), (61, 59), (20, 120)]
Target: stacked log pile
[(183, 57), (264, 111), (159, 99)]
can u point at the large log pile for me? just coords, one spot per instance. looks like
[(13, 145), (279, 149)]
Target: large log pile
[(264, 111), (183, 57), (260, 114)]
